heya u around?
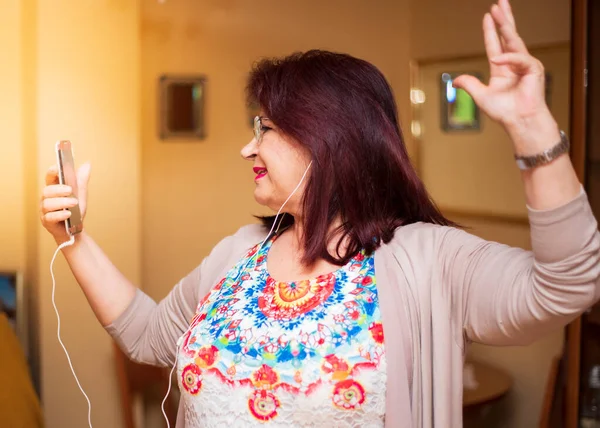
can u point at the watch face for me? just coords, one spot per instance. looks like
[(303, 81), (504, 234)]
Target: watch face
[(521, 164)]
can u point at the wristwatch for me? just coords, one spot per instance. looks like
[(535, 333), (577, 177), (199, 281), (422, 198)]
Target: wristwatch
[(547, 156)]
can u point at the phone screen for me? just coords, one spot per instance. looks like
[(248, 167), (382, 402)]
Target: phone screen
[(67, 175)]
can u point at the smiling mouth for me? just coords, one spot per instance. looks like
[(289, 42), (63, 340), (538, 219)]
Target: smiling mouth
[(260, 172)]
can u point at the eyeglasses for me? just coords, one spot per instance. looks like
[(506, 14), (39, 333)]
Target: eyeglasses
[(258, 132)]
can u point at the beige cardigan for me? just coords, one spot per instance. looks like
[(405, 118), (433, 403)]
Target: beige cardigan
[(440, 288)]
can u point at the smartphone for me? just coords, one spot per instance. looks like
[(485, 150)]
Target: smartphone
[(67, 175)]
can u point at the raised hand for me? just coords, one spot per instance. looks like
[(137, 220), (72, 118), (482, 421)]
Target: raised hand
[(56, 198), (515, 93)]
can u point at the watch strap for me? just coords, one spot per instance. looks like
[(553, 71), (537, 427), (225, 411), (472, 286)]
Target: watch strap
[(545, 157)]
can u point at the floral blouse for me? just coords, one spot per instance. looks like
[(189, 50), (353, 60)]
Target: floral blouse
[(307, 353)]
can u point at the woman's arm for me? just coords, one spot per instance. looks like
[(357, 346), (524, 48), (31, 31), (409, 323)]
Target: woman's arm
[(505, 295), (509, 296), (107, 290), (146, 331)]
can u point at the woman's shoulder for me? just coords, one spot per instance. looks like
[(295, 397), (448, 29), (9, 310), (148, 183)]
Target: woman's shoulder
[(227, 251), (420, 230), (250, 234), (420, 238), (243, 239)]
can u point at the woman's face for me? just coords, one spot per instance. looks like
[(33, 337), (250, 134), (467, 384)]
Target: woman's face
[(278, 165)]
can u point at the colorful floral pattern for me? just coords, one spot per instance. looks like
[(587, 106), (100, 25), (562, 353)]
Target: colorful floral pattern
[(348, 394), (280, 338), (191, 379), (263, 405), (284, 301)]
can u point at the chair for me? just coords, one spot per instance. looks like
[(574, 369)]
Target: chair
[(140, 379)]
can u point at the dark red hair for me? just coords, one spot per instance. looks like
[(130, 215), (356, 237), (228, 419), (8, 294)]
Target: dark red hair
[(343, 110)]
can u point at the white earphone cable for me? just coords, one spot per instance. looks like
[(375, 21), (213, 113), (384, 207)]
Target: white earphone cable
[(162, 405), (60, 247), (261, 245), (286, 201)]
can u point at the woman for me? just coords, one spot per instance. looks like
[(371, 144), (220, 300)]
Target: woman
[(375, 259)]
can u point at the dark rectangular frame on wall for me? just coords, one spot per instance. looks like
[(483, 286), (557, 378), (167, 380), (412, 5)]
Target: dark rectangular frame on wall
[(181, 107), (446, 88)]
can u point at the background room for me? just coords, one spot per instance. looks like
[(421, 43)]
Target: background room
[(91, 72)]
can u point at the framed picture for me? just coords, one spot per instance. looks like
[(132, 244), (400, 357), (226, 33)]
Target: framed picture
[(181, 107), (12, 303), (458, 110)]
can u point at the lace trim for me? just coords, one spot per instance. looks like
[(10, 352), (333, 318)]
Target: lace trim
[(353, 402)]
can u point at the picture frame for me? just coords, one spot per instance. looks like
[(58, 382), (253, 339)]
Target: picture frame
[(459, 112), (182, 107), (14, 305)]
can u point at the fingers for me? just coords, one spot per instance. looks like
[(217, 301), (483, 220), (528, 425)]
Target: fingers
[(508, 32), (507, 9), (491, 40), (56, 191), (55, 217), (472, 85), (53, 206), (520, 63), (56, 204), (52, 175)]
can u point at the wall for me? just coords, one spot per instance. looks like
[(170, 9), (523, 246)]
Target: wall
[(86, 77), (439, 31), (196, 193), (12, 230), (444, 29), (14, 153)]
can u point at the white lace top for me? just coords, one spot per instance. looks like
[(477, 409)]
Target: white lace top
[(286, 354)]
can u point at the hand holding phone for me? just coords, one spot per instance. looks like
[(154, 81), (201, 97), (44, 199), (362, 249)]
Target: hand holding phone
[(67, 175)]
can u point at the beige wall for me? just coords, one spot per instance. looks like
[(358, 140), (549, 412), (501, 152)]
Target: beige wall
[(88, 92), (196, 193), (449, 29), (14, 154), (12, 226), (73, 74)]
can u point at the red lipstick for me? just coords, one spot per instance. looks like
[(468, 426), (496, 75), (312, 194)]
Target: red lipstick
[(260, 172)]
